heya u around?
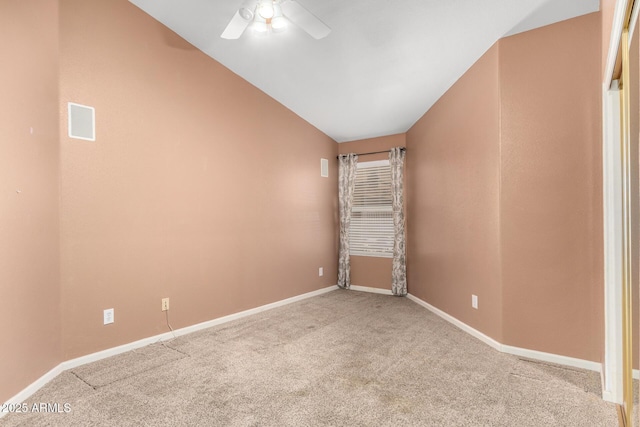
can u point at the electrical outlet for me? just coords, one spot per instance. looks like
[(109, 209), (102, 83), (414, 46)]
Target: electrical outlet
[(474, 301), (320, 271), (165, 304), (108, 316)]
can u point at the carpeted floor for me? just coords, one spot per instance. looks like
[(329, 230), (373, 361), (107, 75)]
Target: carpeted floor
[(344, 358)]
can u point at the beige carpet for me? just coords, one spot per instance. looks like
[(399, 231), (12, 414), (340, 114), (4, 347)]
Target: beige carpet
[(340, 359)]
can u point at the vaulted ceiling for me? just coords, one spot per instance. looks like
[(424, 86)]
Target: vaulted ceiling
[(384, 64)]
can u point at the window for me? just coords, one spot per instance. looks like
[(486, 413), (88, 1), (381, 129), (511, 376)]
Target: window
[(371, 231)]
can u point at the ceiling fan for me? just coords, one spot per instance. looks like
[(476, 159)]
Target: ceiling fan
[(273, 15)]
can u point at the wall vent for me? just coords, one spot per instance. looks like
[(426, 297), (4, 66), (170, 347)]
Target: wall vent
[(324, 168), (82, 122)]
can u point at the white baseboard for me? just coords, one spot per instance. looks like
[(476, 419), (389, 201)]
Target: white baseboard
[(609, 396), (83, 360), (516, 351), (370, 290), (33, 387), (73, 363), (553, 358), (468, 329)]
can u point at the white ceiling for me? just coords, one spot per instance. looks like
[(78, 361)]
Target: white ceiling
[(384, 64)]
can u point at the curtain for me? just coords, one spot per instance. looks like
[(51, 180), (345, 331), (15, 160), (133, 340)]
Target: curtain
[(346, 183), (399, 269)]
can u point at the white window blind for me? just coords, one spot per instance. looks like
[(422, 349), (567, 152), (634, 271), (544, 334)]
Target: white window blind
[(371, 230)]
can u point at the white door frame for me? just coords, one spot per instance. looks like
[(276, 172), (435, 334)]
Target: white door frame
[(612, 366), (613, 240)]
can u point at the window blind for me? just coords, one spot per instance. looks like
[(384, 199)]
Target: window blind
[(371, 232)]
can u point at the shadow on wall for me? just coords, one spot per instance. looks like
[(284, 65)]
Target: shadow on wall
[(173, 40)]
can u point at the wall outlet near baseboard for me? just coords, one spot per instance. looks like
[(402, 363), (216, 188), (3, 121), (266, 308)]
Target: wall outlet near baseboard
[(474, 301), (320, 271), (108, 316), (165, 304)]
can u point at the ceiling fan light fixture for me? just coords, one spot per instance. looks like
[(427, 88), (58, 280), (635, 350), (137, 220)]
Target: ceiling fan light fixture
[(265, 9), (279, 23), (273, 16), (260, 27)]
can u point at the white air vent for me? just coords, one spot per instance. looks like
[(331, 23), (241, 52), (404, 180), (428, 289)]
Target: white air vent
[(324, 168), (82, 122)]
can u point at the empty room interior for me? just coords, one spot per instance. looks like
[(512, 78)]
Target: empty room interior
[(197, 225)]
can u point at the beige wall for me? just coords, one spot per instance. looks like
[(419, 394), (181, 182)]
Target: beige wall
[(505, 193), (148, 210), (551, 189), (371, 271), (199, 187), (29, 255), (453, 183), (607, 10)]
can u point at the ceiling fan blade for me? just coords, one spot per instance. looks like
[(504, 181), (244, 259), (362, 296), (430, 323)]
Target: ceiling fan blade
[(236, 27), (304, 19)]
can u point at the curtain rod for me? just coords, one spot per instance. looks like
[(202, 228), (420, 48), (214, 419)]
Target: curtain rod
[(373, 152)]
